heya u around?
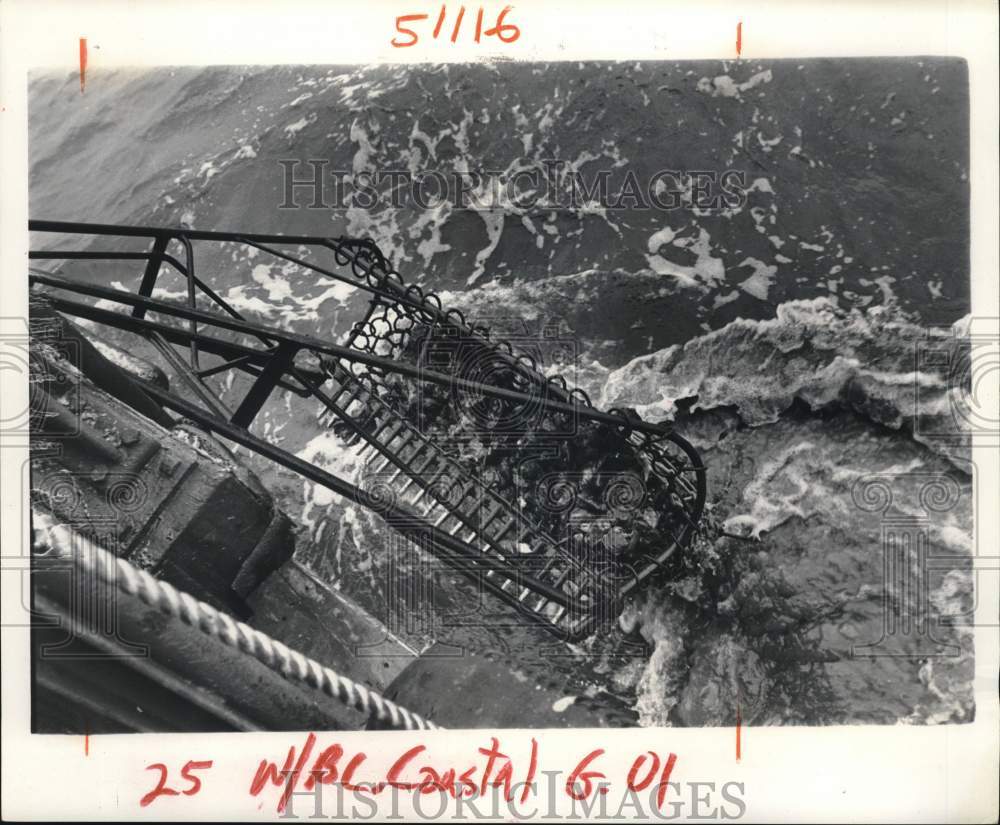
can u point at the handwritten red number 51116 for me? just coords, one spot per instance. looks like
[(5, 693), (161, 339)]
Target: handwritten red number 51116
[(506, 32)]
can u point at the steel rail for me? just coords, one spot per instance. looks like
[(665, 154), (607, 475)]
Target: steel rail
[(339, 351), (396, 292), (403, 521)]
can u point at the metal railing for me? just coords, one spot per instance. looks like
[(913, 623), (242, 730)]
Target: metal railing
[(423, 487)]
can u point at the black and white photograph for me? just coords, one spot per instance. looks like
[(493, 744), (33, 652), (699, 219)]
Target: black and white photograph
[(501, 395)]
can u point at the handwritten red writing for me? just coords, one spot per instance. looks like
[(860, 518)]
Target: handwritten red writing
[(505, 32), (584, 778), (636, 784), (304, 767), (161, 789), (498, 772)]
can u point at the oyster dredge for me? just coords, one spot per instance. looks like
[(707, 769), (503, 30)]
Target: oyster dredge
[(475, 453)]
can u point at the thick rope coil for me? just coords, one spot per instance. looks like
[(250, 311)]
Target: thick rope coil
[(290, 664)]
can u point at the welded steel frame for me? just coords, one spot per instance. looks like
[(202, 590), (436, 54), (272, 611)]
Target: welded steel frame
[(273, 365)]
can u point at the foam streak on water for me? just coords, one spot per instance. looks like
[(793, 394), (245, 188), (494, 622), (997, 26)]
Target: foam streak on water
[(780, 332)]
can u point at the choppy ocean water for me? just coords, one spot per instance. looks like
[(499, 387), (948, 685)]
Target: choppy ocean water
[(788, 325)]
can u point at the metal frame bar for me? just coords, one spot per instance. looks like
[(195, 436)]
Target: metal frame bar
[(273, 365), (400, 519), (152, 272), (191, 379), (325, 348), (277, 365), (342, 248)]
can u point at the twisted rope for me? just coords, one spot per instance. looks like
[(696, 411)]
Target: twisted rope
[(291, 665)]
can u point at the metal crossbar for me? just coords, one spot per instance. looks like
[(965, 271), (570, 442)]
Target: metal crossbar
[(384, 388)]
